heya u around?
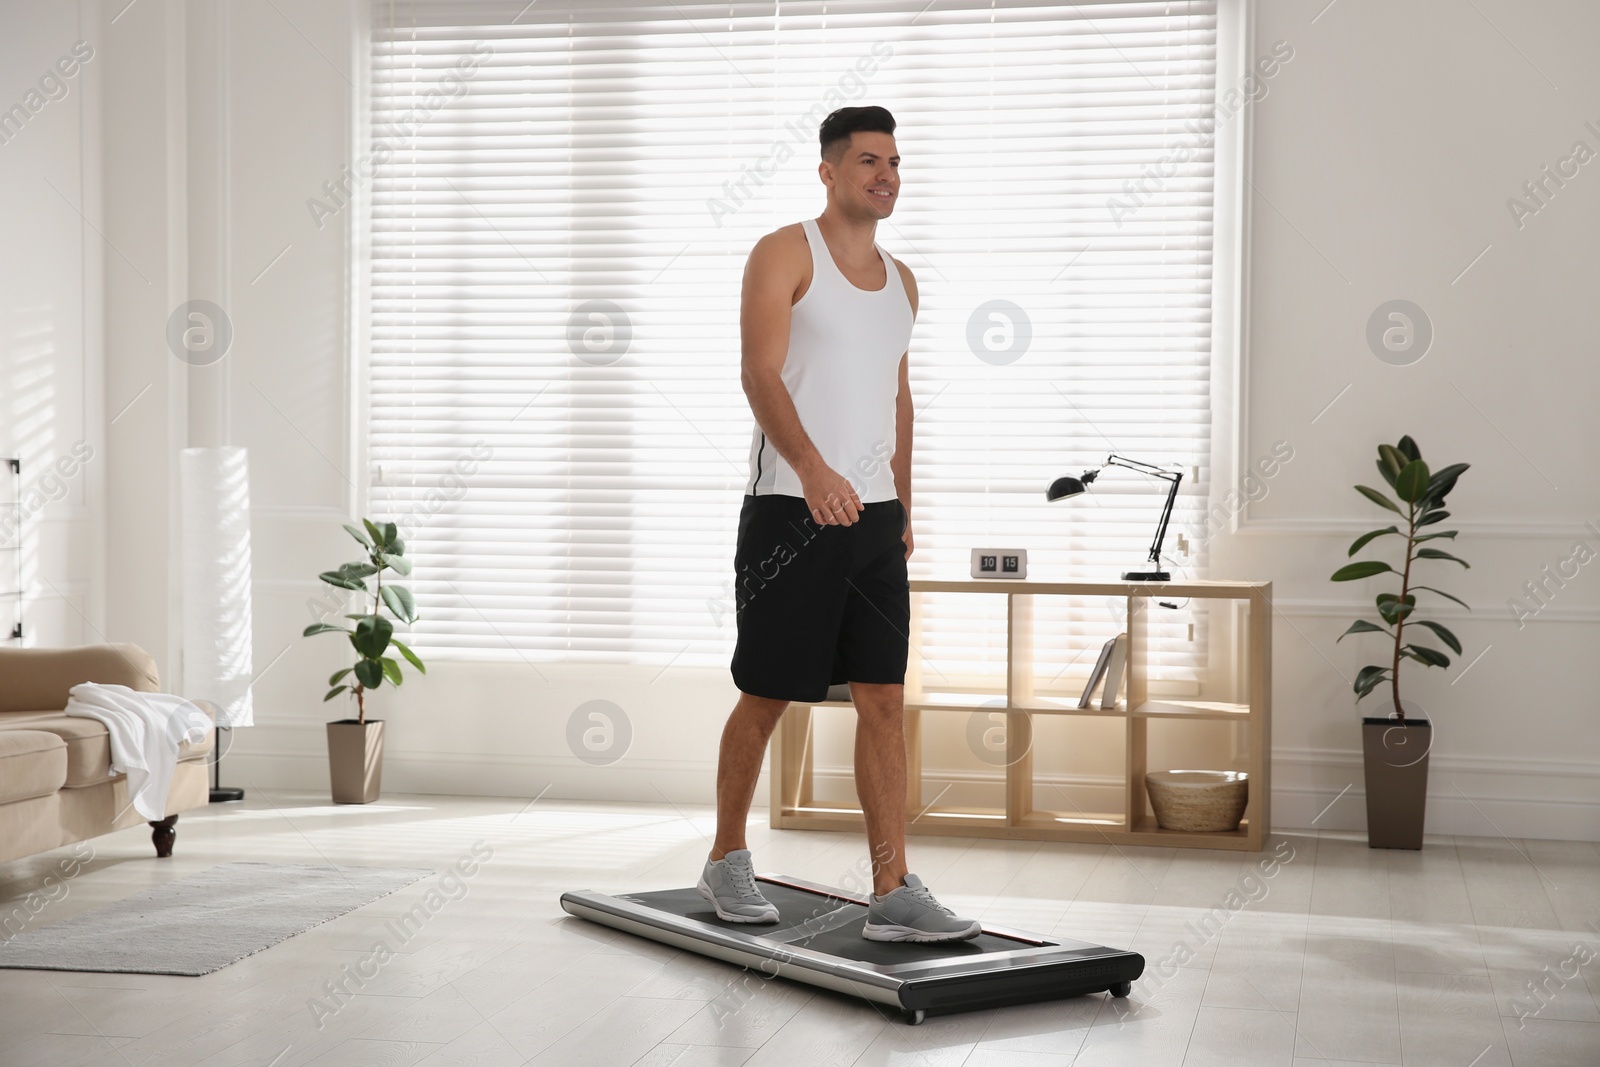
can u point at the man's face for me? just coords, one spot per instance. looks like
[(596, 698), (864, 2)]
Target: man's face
[(867, 177)]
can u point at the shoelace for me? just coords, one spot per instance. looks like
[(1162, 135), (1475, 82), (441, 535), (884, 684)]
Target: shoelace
[(924, 895), (743, 878)]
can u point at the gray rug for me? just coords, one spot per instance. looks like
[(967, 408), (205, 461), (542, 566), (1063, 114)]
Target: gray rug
[(204, 922)]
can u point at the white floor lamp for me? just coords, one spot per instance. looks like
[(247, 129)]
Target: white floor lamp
[(216, 589)]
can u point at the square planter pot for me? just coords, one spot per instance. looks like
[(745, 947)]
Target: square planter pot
[(1396, 763), (355, 760)]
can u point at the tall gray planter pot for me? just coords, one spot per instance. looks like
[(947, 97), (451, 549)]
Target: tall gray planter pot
[(355, 760), (1396, 764)]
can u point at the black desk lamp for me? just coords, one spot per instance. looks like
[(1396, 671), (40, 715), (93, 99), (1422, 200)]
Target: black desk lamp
[(1064, 487)]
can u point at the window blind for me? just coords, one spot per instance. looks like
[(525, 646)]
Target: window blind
[(563, 196)]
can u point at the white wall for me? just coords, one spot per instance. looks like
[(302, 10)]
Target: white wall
[(1382, 160), (285, 129), (50, 369), (291, 80)]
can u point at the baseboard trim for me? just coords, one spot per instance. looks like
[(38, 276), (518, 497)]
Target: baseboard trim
[(1444, 763), (1513, 809), (1496, 613), (1543, 529), (1448, 812)]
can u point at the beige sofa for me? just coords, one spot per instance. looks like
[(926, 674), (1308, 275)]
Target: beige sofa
[(56, 785)]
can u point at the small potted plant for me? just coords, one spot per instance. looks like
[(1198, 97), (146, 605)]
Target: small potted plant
[(355, 746), (1395, 749)]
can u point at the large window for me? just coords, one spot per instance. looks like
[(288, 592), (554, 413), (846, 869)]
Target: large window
[(562, 200)]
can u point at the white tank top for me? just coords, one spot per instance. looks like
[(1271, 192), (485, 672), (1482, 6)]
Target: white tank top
[(843, 373)]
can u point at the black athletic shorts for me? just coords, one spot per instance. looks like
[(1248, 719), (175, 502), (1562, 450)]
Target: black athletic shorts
[(819, 605)]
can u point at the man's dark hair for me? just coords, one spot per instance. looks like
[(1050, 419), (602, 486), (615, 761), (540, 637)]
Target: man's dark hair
[(837, 128)]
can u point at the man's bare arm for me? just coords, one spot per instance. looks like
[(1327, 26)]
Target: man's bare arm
[(904, 415), (770, 279)]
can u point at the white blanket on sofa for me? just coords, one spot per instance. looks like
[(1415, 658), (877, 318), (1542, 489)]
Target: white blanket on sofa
[(146, 730)]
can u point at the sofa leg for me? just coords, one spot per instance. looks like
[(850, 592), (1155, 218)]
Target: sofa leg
[(163, 834)]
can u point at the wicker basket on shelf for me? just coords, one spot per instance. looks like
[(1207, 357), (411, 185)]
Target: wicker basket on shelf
[(1198, 801)]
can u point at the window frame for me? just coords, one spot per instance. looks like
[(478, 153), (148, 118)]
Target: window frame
[(1225, 669)]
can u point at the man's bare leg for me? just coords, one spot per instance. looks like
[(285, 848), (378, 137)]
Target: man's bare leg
[(881, 778), (744, 743)]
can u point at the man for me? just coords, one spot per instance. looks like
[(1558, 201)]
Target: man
[(825, 529)]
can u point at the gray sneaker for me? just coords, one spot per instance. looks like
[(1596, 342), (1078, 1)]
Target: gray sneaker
[(730, 885), (910, 913)]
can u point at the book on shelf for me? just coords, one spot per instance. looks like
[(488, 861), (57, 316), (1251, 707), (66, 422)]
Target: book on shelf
[(1097, 674), (1114, 672)]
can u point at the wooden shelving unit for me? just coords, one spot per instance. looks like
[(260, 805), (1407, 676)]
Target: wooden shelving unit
[(794, 807)]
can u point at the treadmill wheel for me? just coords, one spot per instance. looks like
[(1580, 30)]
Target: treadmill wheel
[(1121, 989), (914, 1018)]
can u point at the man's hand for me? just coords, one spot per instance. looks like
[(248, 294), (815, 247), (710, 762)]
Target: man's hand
[(906, 537), (832, 500)]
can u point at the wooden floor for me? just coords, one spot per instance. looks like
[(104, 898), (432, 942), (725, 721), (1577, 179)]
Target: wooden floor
[(1335, 955)]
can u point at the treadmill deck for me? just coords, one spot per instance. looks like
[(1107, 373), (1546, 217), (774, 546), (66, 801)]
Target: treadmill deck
[(817, 939)]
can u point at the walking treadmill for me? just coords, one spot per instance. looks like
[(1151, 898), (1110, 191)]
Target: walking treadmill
[(817, 939)]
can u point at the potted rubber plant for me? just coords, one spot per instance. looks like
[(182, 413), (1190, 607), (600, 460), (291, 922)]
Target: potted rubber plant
[(1395, 749), (355, 746)]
